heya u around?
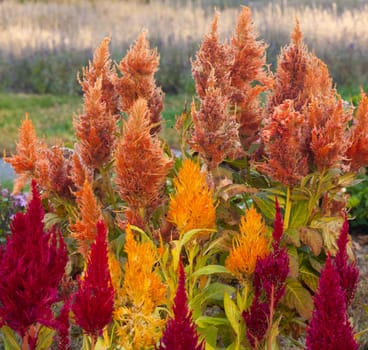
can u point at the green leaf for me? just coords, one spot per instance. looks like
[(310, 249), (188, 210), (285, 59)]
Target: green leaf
[(10, 340), (293, 261), (209, 270), (233, 314), (309, 277), (45, 338), (292, 236), (299, 214), (191, 233), (206, 321), (210, 336), (299, 298), (265, 205)]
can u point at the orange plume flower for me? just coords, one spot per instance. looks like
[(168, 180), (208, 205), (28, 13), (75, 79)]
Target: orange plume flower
[(192, 205), (84, 229), (251, 244), (139, 323), (284, 143), (138, 68), (24, 162), (141, 165), (357, 153)]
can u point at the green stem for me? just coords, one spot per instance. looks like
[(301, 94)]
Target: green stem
[(287, 208)]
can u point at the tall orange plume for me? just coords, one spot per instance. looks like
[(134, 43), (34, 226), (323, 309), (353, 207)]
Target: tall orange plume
[(84, 229), (102, 68), (357, 153), (215, 132), (95, 128), (141, 165), (138, 68), (24, 161), (284, 142)]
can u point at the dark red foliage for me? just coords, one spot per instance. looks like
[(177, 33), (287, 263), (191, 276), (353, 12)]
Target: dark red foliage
[(31, 267), (349, 273), (330, 328), (180, 332), (94, 301)]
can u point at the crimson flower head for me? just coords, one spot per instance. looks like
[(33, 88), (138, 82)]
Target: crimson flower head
[(349, 273), (180, 332), (31, 267), (330, 328), (94, 301)]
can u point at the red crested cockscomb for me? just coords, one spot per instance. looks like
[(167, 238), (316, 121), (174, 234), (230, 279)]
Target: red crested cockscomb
[(215, 133), (357, 153), (62, 327), (94, 301), (329, 328), (141, 165), (180, 332), (349, 273), (31, 267), (102, 68), (138, 68), (284, 145)]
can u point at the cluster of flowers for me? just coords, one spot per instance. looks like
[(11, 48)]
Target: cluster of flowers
[(151, 230)]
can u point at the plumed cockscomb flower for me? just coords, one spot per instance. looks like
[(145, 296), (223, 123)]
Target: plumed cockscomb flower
[(141, 165), (348, 271), (31, 268), (250, 245), (180, 332), (62, 327), (330, 328), (192, 205), (137, 82), (94, 301)]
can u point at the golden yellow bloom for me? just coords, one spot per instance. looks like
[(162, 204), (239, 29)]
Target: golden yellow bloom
[(192, 205), (249, 245), (116, 273)]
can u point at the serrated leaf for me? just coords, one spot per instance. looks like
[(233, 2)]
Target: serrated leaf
[(313, 239), (309, 278), (232, 313), (299, 298), (209, 270), (10, 340), (45, 338)]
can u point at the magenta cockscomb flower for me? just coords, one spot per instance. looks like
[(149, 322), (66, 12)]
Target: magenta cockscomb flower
[(94, 301), (269, 285), (31, 267), (348, 271), (330, 328), (180, 332), (63, 324)]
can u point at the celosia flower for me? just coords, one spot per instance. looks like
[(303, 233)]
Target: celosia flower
[(138, 68), (349, 273), (250, 245), (24, 161), (141, 165), (84, 229), (139, 323), (215, 133), (94, 301), (284, 145), (192, 207), (31, 267), (62, 327), (330, 328), (180, 332), (357, 152)]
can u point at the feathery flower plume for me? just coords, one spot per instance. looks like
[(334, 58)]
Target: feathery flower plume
[(349, 273), (138, 68), (101, 68), (139, 323), (215, 133), (191, 207), (31, 267), (282, 135), (249, 246), (94, 301), (84, 229), (141, 165), (330, 328), (63, 324), (357, 153), (180, 332), (24, 162)]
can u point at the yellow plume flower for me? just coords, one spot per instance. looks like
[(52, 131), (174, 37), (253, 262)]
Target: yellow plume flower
[(249, 245), (192, 205)]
